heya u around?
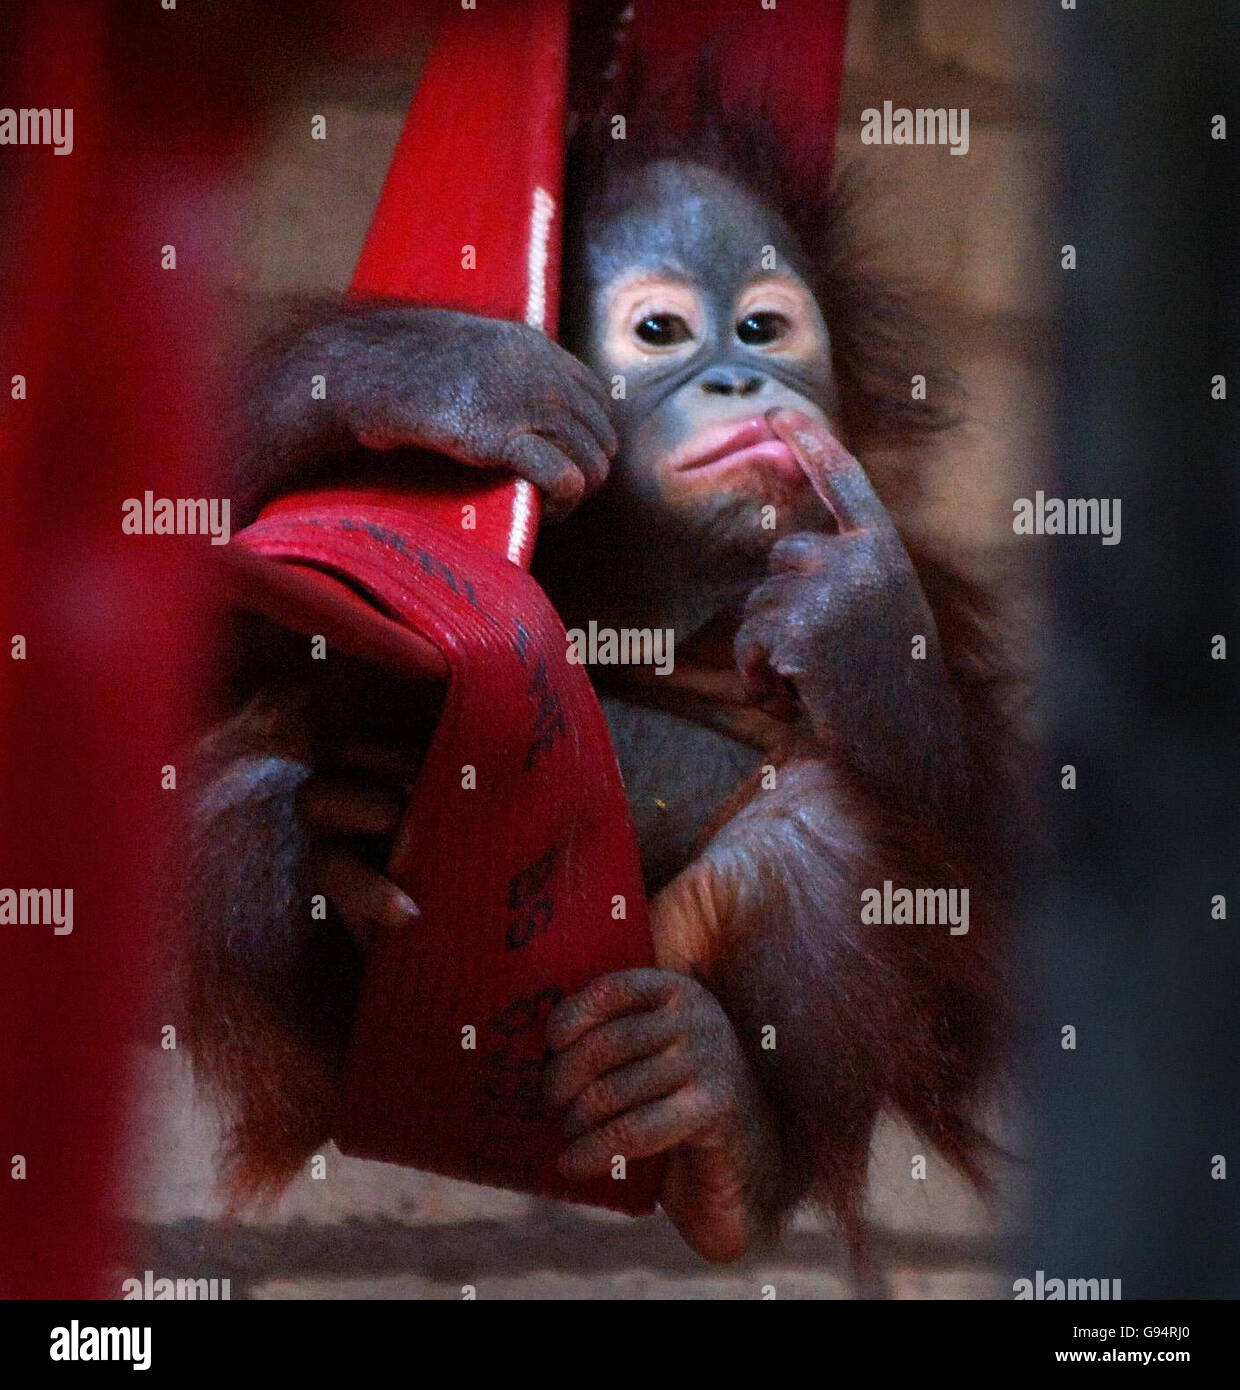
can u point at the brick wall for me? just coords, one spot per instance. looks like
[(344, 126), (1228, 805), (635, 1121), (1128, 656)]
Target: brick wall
[(971, 230)]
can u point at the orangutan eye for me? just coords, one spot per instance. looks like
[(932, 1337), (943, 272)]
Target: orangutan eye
[(757, 330), (663, 330)]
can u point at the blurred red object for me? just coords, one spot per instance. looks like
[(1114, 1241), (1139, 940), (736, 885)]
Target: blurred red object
[(115, 351)]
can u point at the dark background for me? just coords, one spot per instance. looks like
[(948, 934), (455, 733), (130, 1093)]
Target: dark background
[(1121, 937)]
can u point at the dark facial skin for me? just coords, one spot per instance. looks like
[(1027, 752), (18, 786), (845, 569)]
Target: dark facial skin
[(692, 293)]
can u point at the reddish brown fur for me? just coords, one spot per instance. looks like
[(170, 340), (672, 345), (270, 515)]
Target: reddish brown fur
[(899, 1019), (902, 1019)]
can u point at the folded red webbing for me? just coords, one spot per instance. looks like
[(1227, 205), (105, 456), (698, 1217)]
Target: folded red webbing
[(512, 846)]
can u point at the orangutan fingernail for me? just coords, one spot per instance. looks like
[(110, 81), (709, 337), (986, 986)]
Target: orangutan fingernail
[(401, 908)]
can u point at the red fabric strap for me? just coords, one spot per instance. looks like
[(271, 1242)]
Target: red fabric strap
[(519, 867)]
